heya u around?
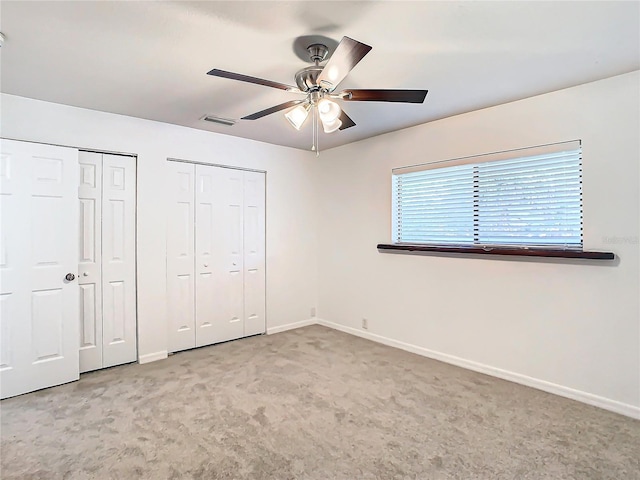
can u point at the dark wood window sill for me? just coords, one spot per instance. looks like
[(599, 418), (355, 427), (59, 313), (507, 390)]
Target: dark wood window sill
[(521, 252)]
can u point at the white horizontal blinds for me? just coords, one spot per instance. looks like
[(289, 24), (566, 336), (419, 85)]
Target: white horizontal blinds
[(435, 206), (529, 197), (532, 201)]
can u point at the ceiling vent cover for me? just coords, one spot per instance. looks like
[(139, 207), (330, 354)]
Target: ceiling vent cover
[(222, 121)]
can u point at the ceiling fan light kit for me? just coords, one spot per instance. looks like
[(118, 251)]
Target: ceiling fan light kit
[(331, 126), (318, 84), (328, 109), (298, 115), (329, 112)]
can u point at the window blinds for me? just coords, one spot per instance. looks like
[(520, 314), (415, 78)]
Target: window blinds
[(529, 197)]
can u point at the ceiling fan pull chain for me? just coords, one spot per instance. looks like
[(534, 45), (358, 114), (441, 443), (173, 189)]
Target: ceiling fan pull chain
[(317, 129), (313, 128)]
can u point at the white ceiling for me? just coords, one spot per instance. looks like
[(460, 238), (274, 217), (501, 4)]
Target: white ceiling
[(149, 59)]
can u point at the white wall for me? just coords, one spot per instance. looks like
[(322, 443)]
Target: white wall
[(291, 196), (572, 327)]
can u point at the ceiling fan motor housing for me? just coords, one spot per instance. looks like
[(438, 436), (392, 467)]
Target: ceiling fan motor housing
[(307, 78)]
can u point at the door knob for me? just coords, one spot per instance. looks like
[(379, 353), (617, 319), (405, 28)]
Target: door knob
[(206, 264), (70, 277), (85, 274)]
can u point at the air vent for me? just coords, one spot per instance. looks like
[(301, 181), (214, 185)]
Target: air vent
[(222, 121)]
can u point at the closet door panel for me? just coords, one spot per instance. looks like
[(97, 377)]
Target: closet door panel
[(90, 260), (228, 254), (254, 254), (118, 260), (206, 293), (38, 248), (180, 256)]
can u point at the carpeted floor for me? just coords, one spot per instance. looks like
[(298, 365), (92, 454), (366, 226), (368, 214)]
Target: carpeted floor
[(310, 403)]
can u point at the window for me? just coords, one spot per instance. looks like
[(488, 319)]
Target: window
[(522, 198)]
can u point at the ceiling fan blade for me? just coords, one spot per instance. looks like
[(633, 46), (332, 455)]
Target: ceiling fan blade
[(277, 108), (347, 55), (246, 78), (404, 96), (346, 121)]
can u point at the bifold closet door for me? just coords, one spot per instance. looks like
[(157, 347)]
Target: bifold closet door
[(207, 297), (107, 260), (215, 255), (90, 261), (119, 338), (180, 256), (254, 253), (236, 301), (38, 263), (227, 313)]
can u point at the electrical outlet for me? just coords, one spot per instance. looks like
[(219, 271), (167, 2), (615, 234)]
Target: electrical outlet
[(365, 323), (313, 312)]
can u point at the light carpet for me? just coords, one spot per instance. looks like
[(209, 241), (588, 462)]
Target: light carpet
[(311, 403)]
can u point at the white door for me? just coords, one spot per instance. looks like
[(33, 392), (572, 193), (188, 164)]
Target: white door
[(90, 260), (254, 254), (228, 256), (118, 260), (215, 255), (180, 256), (39, 309), (107, 260), (206, 294)]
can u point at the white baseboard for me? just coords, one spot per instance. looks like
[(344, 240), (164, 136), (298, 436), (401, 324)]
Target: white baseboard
[(152, 357), (584, 397), (291, 326)]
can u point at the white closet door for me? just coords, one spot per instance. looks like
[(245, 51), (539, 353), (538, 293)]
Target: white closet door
[(39, 247), (90, 261), (228, 255), (180, 256), (206, 293), (254, 254), (118, 260)]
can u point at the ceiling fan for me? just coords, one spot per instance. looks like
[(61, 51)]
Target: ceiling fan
[(318, 83)]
